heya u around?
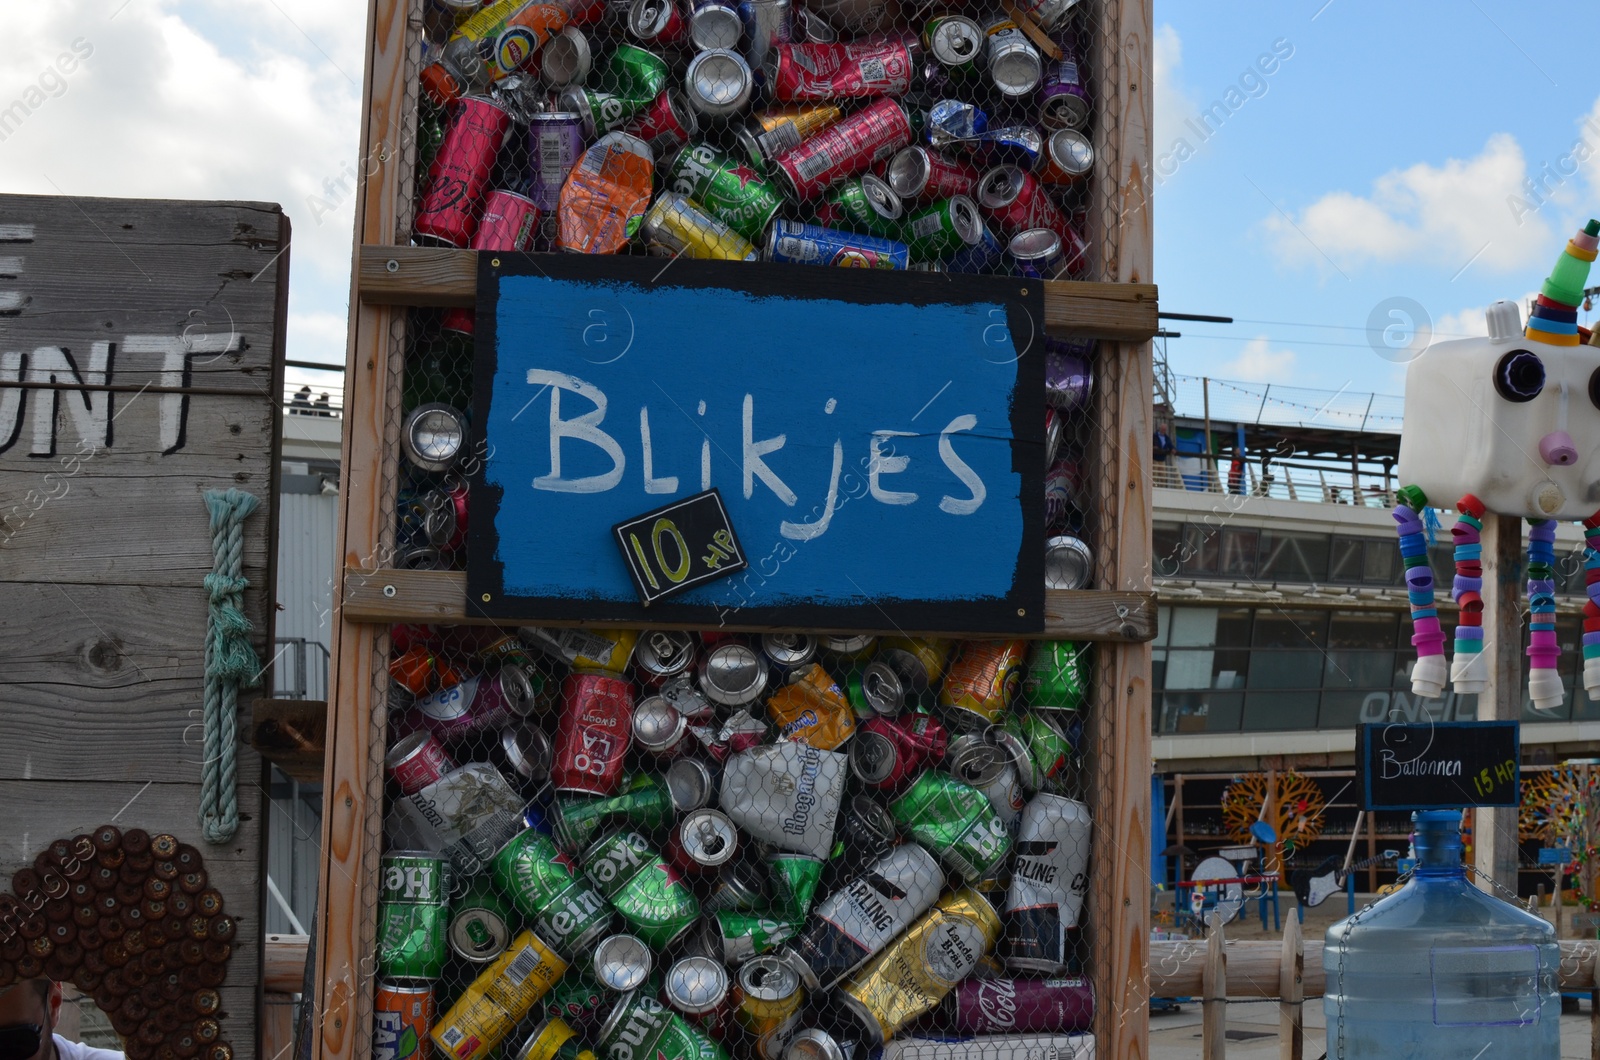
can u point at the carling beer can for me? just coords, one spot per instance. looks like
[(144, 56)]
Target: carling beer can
[(850, 146), (1058, 675), (813, 709), (982, 682), (555, 140), (1048, 883), (873, 66), (772, 132), (481, 923), (417, 760), (1012, 1006), (917, 970), (923, 175), (770, 1007), (544, 887), (725, 187), (488, 1010), (803, 244), (641, 1028), (412, 915), (955, 819), (785, 794), (402, 1015), (459, 175), (594, 733), (857, 920), (649, 894)]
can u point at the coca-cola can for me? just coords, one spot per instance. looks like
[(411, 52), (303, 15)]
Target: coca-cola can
[(873, 66), (1016, 201), (852, 145), (703, 841), (657, 22), (593, 735), (666, 124), (921, 174), (459, 175), (1049, 879), (417, 760), (1013, 1006)]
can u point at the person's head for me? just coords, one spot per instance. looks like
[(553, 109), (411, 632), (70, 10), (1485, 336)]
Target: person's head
[(28, 1014)]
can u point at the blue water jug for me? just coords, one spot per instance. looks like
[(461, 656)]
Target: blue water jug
[(1441, 969)]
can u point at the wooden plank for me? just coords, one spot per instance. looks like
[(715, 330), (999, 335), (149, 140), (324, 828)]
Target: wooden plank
[(387, 596), (440, 276), (283, 963), (1214, 994), (277, 1026), (1291, 992), (352, 784), (292, 735)]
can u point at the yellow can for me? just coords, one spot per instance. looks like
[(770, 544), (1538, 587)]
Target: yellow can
[(495, 1002), (547, 1039), (813, 709), (594, 650), (983, 681), (770, 1006), (924, 658), (920, 967)]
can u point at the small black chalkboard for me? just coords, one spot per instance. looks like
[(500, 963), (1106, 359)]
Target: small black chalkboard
[(1438, 766), (687, 543)]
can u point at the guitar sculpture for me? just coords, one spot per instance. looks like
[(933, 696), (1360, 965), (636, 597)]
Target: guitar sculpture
[(1489, 420), (1313, 888)]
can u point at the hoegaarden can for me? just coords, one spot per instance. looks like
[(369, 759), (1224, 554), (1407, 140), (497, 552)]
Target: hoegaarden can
[(645, 890), (544, 887), (413, 915), (1058, 675), (641, 1028), (918, 969), (726, 188), (954, 820)]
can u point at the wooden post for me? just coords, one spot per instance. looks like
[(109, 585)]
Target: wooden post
[(1494, 829), (1594, 1012), (1291, 994), (1214, 994)]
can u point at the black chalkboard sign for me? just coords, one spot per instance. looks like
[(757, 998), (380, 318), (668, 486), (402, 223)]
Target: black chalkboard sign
[(679, 546), (1438, 766)]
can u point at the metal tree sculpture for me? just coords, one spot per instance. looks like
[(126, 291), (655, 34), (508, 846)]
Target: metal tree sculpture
[(1291, 803)]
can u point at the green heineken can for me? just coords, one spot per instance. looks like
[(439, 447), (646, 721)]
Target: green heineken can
[(954, 820), (635, 77), (1058, 675), (575, 996), (413, 915), (543, 886), (1038, 748), (943, 229), (644, 802), (794, 883), (642, 1028), (648, 893), (482, 923), (865, 205), (724, 187), (739, 935)]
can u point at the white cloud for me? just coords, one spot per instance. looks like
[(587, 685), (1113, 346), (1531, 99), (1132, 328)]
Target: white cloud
[(1442, 216), (1472, 322), (200, 100), (1259, 363), (1173, 105)]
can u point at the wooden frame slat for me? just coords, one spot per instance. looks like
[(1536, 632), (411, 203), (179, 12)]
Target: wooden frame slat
[(440, 276)]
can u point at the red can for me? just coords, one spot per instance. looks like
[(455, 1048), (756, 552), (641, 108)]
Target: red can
[(460, 172), (474, 705), (886, 752), (510, 221), (417, 760), (918, 174), (657, 21), (873, 66), (666, 124), (593, 736), (840, 151), (1016, 201)]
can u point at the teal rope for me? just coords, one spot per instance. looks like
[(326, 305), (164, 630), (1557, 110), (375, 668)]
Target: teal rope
[(231, 664)]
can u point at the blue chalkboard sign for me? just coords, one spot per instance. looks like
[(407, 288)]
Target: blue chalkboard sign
[(877, 439)]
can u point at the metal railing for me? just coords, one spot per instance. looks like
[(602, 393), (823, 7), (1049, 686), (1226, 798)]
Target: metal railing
[(1282, 481), (299, 669)]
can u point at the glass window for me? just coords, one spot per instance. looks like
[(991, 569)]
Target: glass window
[(1233, 627), (1358, 669), (1382, 563), (1277, 628), (1286, 669), (1442, 558), (1239, 547), (1347, 709), (1363, 629), (1166, 548), (1193, 627), (1200, 711), (1189, 669), (1163, 625), (1280, 710), (1199, 549), (1291, 555), (1346, 559)]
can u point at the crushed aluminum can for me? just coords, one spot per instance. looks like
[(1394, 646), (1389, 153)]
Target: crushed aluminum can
[(786, 794), (689, 784)]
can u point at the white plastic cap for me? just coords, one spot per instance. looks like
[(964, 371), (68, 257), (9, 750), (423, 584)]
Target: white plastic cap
[(1504, 320), (1428, 677), (1469, 672), (1591, 677), (1544, 687)]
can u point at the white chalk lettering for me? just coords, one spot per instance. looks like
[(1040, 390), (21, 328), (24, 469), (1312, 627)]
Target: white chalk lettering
[(756, 467), (959, 467), (584, 428)]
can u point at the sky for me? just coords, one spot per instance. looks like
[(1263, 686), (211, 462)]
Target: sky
[(1371, 189)]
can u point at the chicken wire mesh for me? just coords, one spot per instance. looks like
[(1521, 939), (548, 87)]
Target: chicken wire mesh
[(592, 841)]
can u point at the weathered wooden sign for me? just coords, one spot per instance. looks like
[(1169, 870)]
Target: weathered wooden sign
[(1438, 766), (141, 351), (878, 440)]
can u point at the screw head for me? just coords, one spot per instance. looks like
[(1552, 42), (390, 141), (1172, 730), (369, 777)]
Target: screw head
[(389, 591), (392, 265)]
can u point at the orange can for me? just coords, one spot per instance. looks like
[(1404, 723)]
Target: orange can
[(983, 682), (813, 709), (402, 1015), (422, 671)]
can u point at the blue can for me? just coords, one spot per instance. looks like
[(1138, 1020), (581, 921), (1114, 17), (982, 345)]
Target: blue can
[(803, 244), (985, 255)]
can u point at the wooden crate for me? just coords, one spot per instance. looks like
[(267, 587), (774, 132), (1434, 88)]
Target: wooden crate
[(391, 276)]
